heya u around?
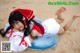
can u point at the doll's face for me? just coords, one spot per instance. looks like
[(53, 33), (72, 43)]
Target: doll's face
[(18, 25)]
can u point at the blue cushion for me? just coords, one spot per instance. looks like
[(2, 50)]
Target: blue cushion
[(44, 42)]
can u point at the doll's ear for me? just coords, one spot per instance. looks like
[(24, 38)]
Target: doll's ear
[(23, 18)]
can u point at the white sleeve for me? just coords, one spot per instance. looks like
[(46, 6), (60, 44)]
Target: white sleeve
[(16, 40), (27, 40), (6, 26)]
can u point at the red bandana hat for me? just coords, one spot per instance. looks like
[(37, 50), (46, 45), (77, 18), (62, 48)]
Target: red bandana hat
[(28, 14)]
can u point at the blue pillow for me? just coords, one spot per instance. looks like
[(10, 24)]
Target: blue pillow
[(44, 42)]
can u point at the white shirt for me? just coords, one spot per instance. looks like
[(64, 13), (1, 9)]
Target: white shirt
[(18, 43)]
